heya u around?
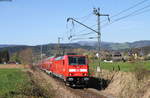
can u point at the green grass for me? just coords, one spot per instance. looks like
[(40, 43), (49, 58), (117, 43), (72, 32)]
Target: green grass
[(2, 64), (10, 80), (124, 66)]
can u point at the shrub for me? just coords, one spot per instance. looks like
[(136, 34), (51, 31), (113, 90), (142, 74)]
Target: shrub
[(140, 72)]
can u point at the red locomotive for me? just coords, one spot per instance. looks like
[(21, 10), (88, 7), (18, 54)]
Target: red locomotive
[(73, 69)]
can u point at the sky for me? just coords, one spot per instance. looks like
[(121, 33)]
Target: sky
[(33, 22)]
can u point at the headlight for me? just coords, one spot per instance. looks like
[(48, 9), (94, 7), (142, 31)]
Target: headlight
[(70, 79), (86, 79), (84, 74), (70, 74)]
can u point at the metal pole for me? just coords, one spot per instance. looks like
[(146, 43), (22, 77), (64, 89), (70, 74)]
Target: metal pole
[(41, 52), (97, 13), (59, 45), (99, 37), (59, 48), (81, 24)]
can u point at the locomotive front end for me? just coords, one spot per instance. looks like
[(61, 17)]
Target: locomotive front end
[(78, 73)]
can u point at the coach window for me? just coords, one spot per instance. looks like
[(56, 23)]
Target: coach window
[(81, 61), (63, 62), (77, 61)]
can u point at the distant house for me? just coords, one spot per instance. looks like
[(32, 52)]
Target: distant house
[(117, 56), (148, 55), (106, 55), (135, 54)]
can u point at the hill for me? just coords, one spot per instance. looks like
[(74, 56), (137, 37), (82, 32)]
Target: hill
[(82, 44), (3, 45), (116, 46)]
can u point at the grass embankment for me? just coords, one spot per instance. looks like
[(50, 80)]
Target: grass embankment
[(123, 66), (18, 83), (10, 81)]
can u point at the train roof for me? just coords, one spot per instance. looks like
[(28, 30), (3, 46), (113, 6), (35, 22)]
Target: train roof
[(74, 55), (50, 57), (62, 57)]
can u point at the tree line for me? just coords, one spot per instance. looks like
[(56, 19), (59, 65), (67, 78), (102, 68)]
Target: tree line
[(21, 57), (4, 56)]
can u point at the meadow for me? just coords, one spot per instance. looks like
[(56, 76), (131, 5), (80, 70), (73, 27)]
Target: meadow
[(22, 83), (10, 81), (122, 66)]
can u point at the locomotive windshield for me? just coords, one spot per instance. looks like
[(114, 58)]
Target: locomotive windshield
[(74, 60)]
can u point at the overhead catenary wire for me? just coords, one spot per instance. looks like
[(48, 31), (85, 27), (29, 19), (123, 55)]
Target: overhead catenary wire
[(73, 26), (121, 12), (83, 31), (115, 15), (128, 9), (125, 10), (74, 39), (85, 18), (84, 34), (136, 12), (131, 14), (142, 12)]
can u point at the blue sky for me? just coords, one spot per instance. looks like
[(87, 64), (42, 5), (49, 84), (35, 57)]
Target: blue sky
[(33, 22)]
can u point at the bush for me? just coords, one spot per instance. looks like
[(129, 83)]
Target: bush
[(140, 72), (147, 58)]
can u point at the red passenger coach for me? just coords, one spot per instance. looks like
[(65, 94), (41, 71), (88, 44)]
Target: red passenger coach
[(46, 64), (73, 69)]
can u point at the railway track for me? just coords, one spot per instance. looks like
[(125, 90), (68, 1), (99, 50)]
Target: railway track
[(76, 92), (85, 93)]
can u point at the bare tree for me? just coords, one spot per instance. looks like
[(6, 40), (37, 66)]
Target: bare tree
[(26, 56)]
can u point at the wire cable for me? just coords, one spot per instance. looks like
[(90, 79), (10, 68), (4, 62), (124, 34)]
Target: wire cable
[(84, 34), (85, 18), (86, 29), (126, 16), (139, 3), (82, 31), (142, 12), (125, 10), (132, 13), (136, 12), (83, 38)]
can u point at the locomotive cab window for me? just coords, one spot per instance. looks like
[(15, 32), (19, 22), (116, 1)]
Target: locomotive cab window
[(77, 61)]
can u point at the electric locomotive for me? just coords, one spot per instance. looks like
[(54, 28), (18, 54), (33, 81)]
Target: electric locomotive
[(73, 69)]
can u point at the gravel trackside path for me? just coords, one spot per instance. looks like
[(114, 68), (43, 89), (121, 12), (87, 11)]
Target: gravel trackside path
[(10, 66), (59, 90), (62, 91)]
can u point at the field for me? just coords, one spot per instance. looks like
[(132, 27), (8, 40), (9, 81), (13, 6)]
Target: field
[(22, 82), (10, 81), (19, 82), (10, 66), (123, 66)]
